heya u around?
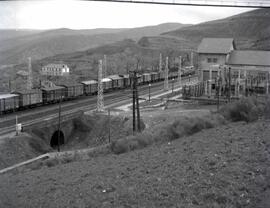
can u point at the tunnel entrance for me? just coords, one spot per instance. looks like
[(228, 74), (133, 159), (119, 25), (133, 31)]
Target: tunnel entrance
[(54, 139)]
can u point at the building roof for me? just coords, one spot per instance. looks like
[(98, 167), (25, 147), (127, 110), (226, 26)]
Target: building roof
[(216, 45), (115, 77), (250, 58), (88, 82), (5, 96), (55, 65), (25, 91), (52, 88), (106, 80)]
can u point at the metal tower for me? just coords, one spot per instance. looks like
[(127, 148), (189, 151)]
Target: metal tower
[(29, 78), (105, 65), (160, 62), (100, 103), (166, 82), (191, 58), (179, 70)]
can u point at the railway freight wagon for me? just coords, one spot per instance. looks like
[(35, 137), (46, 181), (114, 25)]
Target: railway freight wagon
[(161, 75), (107, 84), (117, 81), (126, 80), (90, 87), (29, 98), (146, 78), (154, 76), (72, 90), (53, 94), (8, 102)]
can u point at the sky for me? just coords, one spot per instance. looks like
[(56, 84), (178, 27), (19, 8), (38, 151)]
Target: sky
[(76, 14)]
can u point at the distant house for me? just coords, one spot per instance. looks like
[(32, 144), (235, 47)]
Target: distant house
[(55, 70), (213, 51)]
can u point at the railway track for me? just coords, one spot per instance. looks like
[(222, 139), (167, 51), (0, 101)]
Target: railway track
[(44, 113)]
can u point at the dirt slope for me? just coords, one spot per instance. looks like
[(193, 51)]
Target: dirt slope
[(224, 167)]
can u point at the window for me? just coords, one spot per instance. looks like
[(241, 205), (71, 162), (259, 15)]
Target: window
[(209, 60), (214, 60)]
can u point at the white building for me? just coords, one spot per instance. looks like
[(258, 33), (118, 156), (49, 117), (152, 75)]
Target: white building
[(55, 70)]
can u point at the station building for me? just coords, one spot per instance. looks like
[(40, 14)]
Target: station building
[(213, 51)]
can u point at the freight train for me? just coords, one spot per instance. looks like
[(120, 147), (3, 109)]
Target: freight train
[(19, 100)]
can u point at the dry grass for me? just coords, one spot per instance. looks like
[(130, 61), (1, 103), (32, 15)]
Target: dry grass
[(182, 126)]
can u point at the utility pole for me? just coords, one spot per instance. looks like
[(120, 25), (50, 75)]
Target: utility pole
[(191, 58), (137, 105), (267, 83), (100, 103), (166, 82), (160, 62), (59, 125), (210, 82), (109, 115), (149, 92), (29, 77), (105, 65), (245, 85), (229, 84), (179, 70), (133, 103)]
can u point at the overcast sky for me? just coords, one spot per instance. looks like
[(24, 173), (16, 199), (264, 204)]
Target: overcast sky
[(86, 15)]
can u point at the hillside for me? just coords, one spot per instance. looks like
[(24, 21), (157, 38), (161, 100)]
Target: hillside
[(227, 166), (250, 30), (52, 42), (122, 56)]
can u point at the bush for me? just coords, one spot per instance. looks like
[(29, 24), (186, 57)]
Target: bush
[(246, 109), (166, 132)]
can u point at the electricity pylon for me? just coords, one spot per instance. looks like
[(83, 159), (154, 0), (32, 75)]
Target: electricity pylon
[(166, 82), (100, 103), (29, 77), (179, 70)]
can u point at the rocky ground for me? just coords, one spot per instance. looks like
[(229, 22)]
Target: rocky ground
[(227, 166)]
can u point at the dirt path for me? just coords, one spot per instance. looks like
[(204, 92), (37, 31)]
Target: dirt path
[(227, 166)]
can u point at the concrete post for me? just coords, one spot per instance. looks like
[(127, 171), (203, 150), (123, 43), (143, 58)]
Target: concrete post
[(210, 82)]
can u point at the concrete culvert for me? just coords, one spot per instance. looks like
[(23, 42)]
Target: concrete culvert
[(54, 139)]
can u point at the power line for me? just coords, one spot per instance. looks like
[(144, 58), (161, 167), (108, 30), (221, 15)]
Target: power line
[(213, 3)]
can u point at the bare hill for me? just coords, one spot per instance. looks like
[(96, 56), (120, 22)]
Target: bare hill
[(52, 42), (250, 30)]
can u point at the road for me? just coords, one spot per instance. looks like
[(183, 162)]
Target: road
[(111, 99)]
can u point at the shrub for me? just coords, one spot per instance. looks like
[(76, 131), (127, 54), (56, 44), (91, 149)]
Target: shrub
[(120, 146), (245, 109)]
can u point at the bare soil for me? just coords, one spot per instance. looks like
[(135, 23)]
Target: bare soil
[(228, 166)]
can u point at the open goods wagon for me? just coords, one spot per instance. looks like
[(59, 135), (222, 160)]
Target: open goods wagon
[(29, 98), (8, 102), (90, 87)]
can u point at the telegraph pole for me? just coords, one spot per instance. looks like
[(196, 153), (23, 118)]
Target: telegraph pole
[(137, 104), (230, 84), (179, 70), (59, 124), (133, 103), (100, 103), (166, 82), (29, 78)]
